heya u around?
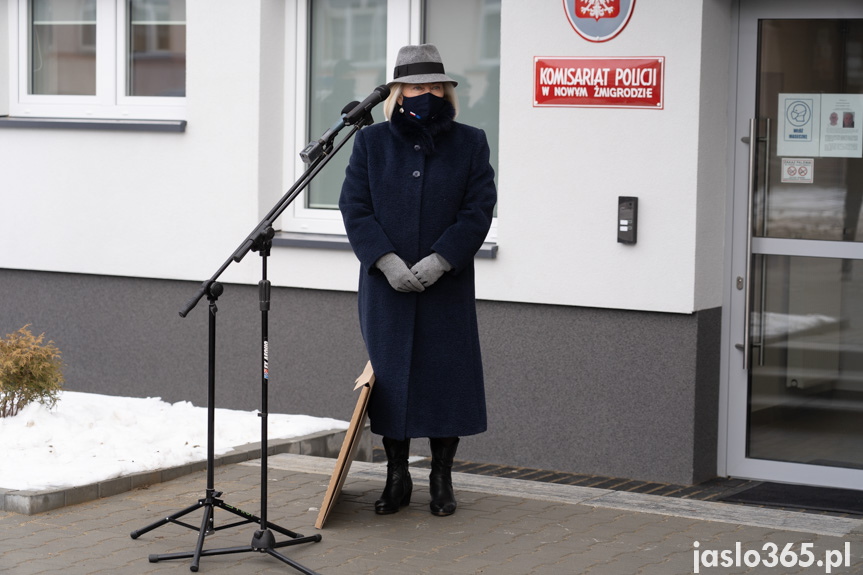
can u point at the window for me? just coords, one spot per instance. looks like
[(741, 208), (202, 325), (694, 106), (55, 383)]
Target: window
[(63, 48), (157, 48), (117, 59), (351, 48), (471, 58), (348, 60)]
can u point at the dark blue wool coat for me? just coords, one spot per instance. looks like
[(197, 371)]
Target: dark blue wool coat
[(424, 347)]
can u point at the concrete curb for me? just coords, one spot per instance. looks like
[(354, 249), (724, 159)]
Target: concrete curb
[(602, 498), (325, 444)]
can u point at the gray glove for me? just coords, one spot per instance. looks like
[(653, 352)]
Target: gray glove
[(429, 269), (397, 273)]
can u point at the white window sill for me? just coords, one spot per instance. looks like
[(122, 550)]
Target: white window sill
[(339, 242), (94, 124)]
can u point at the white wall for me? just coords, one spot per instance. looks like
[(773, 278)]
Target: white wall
[(146, 204), (558, 218), (177, 205), (271, 92), (561, 171), (712, 153), (4, 59)]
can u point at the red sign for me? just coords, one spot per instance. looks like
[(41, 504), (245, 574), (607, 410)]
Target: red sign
[(599, 82)]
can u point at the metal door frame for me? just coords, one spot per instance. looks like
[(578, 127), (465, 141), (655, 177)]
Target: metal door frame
[(732, 460)]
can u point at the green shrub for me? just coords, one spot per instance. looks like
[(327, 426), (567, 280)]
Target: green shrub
[(29, 371)]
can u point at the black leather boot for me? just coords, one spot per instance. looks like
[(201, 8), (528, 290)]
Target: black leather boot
[(440, 479), (397, 491)]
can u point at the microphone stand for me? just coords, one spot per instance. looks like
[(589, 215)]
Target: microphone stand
[(260, 240)]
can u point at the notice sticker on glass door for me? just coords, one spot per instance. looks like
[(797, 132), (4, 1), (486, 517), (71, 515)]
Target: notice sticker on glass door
[(798, 170), (842, 126), (797, 130)]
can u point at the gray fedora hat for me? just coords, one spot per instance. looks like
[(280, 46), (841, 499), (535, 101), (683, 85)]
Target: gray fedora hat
[(419, 65)]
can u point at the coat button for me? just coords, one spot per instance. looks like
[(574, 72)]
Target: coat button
[(417, 147), (416, 173)]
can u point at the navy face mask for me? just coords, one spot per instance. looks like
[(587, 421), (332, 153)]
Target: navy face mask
[(421, 108)]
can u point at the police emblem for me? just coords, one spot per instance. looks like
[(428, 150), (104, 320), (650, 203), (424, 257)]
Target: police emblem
[(598, 20)]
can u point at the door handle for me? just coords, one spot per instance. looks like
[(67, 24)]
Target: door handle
[(762, 302), (747, 294)]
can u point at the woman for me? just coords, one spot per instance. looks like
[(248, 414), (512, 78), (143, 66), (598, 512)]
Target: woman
[(417, 203)]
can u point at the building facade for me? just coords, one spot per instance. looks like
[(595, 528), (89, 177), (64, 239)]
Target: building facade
[(141, 142)]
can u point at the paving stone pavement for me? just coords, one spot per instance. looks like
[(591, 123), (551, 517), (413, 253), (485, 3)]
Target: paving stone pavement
[(502, 527)]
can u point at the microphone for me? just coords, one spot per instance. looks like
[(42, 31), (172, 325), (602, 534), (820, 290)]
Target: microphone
[(379, 94), (316, 148)]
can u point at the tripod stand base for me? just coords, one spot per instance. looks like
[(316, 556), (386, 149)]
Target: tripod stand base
[(210, 502), (262, 542)]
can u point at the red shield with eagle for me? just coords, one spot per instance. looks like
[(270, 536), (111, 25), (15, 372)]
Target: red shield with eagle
[(598, 20), (597, 9)]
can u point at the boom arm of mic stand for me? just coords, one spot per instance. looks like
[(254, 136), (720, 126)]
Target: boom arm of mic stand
[(244, 248), (289, 196)]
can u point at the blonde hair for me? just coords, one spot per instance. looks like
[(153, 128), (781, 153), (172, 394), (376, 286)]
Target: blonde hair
[(396, 89)]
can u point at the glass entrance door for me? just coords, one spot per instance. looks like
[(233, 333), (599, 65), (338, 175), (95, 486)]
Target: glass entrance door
[(796, 369)]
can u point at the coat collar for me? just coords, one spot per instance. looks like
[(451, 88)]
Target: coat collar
[(424, 135)]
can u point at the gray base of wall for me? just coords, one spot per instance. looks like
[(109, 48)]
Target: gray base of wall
[(607, 392)]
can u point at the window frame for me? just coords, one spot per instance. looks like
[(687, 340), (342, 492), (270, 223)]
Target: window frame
[(110, 101), (404, 26)]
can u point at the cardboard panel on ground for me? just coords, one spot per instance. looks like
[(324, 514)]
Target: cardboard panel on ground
[(349, 447)]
